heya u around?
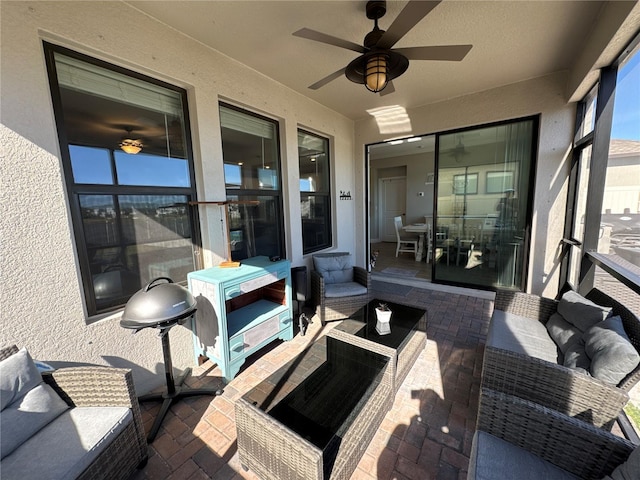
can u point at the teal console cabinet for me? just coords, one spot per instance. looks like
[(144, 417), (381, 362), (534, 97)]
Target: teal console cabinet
[(240, 310)]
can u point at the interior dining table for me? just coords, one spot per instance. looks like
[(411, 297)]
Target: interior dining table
[(422, 229)]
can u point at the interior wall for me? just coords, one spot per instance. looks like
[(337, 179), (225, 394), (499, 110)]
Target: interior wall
[(417, 167), (42, 304), (542, 96)]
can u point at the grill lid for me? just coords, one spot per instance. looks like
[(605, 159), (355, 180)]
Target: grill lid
[(158, 304)]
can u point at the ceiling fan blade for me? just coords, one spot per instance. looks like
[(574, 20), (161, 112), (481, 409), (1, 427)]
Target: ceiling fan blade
[(388, 89), (328, 39), (327, 79), (453, 53), (410, 15)]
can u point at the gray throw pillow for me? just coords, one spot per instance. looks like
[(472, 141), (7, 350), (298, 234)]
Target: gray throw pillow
[(612, 355), (576, 357), (562, 332), (629, 470), (18, 375), (580, 312)]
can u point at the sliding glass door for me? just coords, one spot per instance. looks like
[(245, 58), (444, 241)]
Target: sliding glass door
[(484, 184)]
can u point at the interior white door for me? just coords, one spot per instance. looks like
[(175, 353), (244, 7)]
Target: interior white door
[(393, 202)]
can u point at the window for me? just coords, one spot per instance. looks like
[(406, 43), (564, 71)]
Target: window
[(252, 177), (620, 222), (315, 191), (603, 208), (499, 182), (465, 184), (130, 212)]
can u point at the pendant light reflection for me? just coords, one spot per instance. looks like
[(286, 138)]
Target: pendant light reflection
[(131, 146)]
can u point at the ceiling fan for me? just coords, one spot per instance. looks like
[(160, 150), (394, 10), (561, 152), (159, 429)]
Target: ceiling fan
[(379, 63), (458, 151)]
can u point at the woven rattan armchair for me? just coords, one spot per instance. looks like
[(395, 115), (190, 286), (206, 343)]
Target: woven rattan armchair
[(576, 447), (330, 308), (96, 386), (555, 386)]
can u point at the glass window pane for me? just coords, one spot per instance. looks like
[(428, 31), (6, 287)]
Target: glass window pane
[(151, 170), (482, 191), (577, 229), (250, 151), (254, 226), (589, 120), (316, 225), (620, 221), (313, 157), (154, 241), (91, 165)]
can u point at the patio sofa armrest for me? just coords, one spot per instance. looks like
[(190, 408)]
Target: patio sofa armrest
[(570, 444), (553, 386)]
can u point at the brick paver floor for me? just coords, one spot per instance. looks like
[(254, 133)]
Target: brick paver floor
[(426, 435)]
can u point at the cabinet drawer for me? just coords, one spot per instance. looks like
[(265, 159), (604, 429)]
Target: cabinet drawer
[(254, 337), (251, 285), (285, 319)]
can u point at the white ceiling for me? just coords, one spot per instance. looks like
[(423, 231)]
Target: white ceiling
[(512, 41)]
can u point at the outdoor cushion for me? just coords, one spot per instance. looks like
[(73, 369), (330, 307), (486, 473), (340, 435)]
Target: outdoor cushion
[(612, 355), (562, 332), (576, 357), (334, 267), (522, 335), (495, 459), (347, 289), (27, 416), (18, 375), (580, 312), (32, 403), (68, 445), (629, 470)]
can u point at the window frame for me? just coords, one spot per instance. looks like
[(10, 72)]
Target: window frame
[(325, 194), (75, 190)]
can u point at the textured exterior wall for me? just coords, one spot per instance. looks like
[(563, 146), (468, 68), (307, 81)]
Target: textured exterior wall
[(544, 96), (42, 304)]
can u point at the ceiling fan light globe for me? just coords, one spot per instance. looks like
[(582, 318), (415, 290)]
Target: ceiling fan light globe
[(376, 73), (131, 146)]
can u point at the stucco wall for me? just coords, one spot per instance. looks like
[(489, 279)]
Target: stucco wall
[(544, 96), (42, 306)]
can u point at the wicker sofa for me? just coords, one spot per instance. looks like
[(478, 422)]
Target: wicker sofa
[(528, 363), (80, 422), (338, 289), (517, 438)]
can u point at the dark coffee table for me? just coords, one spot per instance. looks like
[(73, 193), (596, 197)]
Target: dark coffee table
[(406, 341), (314, 417)]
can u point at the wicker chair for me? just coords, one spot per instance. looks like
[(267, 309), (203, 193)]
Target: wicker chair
[(555, 386), (574, 446), (95, 386), (333, 280)]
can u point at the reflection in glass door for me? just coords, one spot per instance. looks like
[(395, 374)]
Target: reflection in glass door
[(483, 190)]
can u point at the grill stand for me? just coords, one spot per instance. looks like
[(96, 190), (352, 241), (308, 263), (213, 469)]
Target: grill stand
[(175, 390)]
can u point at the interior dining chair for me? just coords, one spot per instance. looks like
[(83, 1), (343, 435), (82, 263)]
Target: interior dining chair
[(405, 243), (429, 241)]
